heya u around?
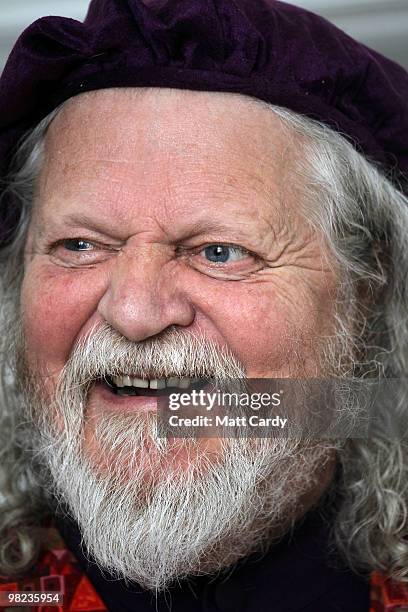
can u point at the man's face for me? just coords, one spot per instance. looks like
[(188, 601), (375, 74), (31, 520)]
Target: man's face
[(162, 210), (152, 184)]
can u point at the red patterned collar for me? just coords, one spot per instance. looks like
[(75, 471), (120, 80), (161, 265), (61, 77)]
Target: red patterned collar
[(57, 570)]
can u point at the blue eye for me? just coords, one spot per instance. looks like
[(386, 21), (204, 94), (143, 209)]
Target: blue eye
[(76, 244), (221, 253)]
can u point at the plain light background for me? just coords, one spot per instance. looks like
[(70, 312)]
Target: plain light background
[(381, 24)]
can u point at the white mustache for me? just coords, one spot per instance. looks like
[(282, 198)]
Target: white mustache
[(104, 352)]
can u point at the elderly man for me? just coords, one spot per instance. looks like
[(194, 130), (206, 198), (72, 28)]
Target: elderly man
[(197, 190)]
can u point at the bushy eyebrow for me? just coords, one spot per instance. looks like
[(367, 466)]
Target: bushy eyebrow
[(79, 219), (72, 221)]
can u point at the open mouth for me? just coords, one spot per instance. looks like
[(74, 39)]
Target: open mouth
[(152, 387)]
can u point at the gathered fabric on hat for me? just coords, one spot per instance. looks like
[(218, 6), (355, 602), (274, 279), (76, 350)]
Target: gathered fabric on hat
[(267, 49)]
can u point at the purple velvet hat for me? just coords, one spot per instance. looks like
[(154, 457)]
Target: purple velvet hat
[(263, 48)]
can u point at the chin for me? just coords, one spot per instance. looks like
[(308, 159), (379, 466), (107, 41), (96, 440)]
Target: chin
[(128, 445)]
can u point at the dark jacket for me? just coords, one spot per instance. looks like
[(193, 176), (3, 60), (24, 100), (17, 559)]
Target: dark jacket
[(299, 574)]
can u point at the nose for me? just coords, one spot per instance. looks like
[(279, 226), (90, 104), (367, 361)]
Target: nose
[(144, 296)]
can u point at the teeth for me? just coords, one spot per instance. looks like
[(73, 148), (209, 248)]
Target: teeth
[(154, 383), (184, 383), (139, 382), (181, 383), (158, 383), (118, 380)]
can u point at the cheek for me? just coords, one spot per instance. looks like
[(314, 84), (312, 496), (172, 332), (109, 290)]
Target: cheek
[(271, 332), (251, 321), (55, 307)]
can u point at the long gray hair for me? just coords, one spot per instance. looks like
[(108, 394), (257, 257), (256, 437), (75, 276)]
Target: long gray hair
[(363, 219)]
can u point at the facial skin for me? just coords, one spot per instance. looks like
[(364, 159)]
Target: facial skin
[(136, 188), (148, 180)]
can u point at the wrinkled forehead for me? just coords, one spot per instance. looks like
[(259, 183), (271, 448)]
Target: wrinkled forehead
[(172, 121), (175, 149)]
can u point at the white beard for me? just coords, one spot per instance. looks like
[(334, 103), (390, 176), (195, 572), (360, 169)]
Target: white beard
[(141, 519)]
